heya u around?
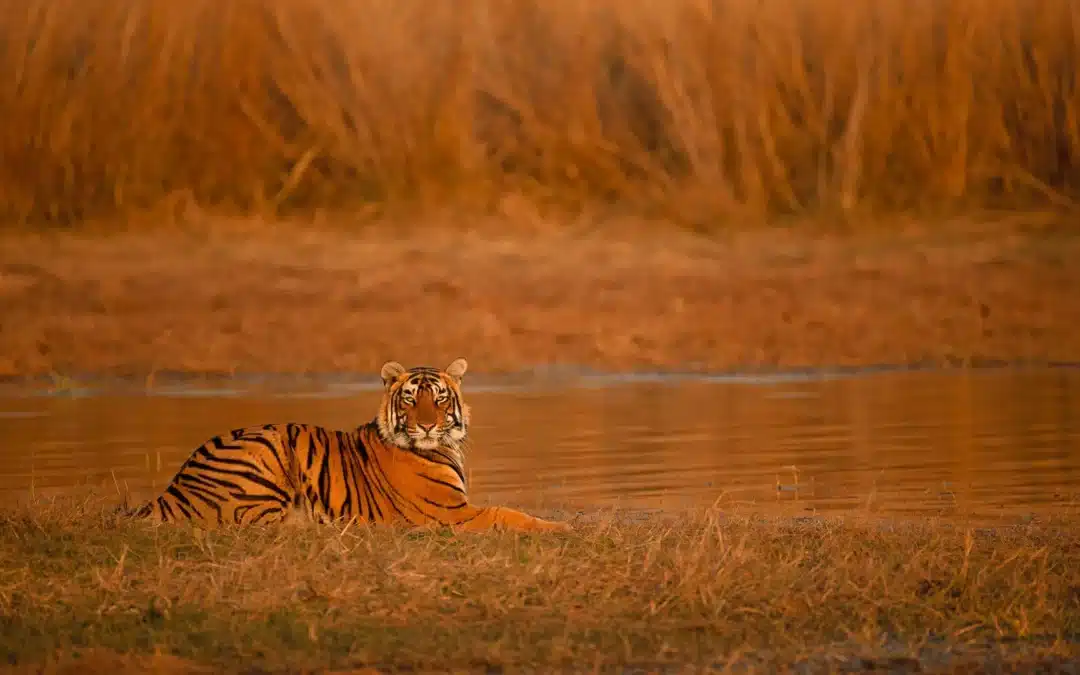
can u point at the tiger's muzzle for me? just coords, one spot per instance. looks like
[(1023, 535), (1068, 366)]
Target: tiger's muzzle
[(427, 426)]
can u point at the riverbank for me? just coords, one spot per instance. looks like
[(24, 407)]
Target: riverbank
[(239, 296), (80, 590), (233, 296)]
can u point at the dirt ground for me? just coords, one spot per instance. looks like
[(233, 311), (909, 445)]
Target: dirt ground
[(246, 296)]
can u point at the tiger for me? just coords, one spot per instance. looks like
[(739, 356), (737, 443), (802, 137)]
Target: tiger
[(405, 467)]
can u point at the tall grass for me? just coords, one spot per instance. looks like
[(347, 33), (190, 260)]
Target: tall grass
[(693, 109)]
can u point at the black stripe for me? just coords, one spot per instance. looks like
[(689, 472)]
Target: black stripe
[(219, 444), (293, 433), (209, 498), (374, 511), (238, 513), (268, 512), (453, 487), (357, 445), (286, 449), (204, 453), (181, 501), (252, 476), (269, 445), (263, 440), (324, 472), (180, 497), (164, 505), (200, 490), (434, 456), (349, 468), (207, 481), (474, 517), (405, 499), (249, 497), (444, 506), (311, 449)]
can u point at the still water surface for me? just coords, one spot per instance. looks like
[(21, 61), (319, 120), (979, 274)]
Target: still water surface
[(989, 445)]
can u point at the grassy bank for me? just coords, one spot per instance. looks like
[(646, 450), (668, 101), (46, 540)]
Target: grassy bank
[(697, 111), (699, 588)]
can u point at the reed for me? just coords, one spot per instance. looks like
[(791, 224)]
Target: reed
[(690, 110)]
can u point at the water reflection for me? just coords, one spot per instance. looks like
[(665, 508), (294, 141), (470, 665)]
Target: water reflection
[(976, 443)]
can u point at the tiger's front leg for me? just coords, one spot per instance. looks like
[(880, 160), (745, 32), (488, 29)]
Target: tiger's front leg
[(478, 519)]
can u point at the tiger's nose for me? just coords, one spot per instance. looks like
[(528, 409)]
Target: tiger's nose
[(426, 428)]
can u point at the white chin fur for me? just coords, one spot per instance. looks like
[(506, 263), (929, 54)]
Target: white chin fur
[(426, 443)]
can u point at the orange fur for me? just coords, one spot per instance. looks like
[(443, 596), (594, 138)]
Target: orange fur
[(404, 467)]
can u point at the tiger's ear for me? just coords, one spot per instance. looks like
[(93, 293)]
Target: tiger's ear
[(457, 369), (391, 371)]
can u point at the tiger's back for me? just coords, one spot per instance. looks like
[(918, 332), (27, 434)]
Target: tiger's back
[(259, 474)]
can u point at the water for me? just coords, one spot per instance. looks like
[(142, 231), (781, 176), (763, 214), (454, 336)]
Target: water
[(988, 445)]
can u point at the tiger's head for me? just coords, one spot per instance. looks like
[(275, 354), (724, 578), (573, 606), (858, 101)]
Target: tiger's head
[(422, 408)]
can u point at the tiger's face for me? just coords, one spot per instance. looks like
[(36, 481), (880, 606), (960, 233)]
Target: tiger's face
[(422, 408)]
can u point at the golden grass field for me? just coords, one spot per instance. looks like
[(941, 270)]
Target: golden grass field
[(82, 592), (704, 112)]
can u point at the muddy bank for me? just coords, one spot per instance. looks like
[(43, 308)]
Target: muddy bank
[(242, 296)]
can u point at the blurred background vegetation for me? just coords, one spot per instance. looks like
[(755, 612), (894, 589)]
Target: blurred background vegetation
[(690, 110)]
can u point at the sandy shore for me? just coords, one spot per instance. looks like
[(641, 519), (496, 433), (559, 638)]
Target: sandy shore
[(243, 296)]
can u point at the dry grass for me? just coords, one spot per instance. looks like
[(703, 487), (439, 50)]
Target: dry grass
[(699, 588), (696, 110)]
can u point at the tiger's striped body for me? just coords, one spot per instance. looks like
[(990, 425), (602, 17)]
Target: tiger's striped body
[(404, 467)]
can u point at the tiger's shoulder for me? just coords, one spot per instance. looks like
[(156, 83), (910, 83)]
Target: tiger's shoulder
[(437, 473)]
